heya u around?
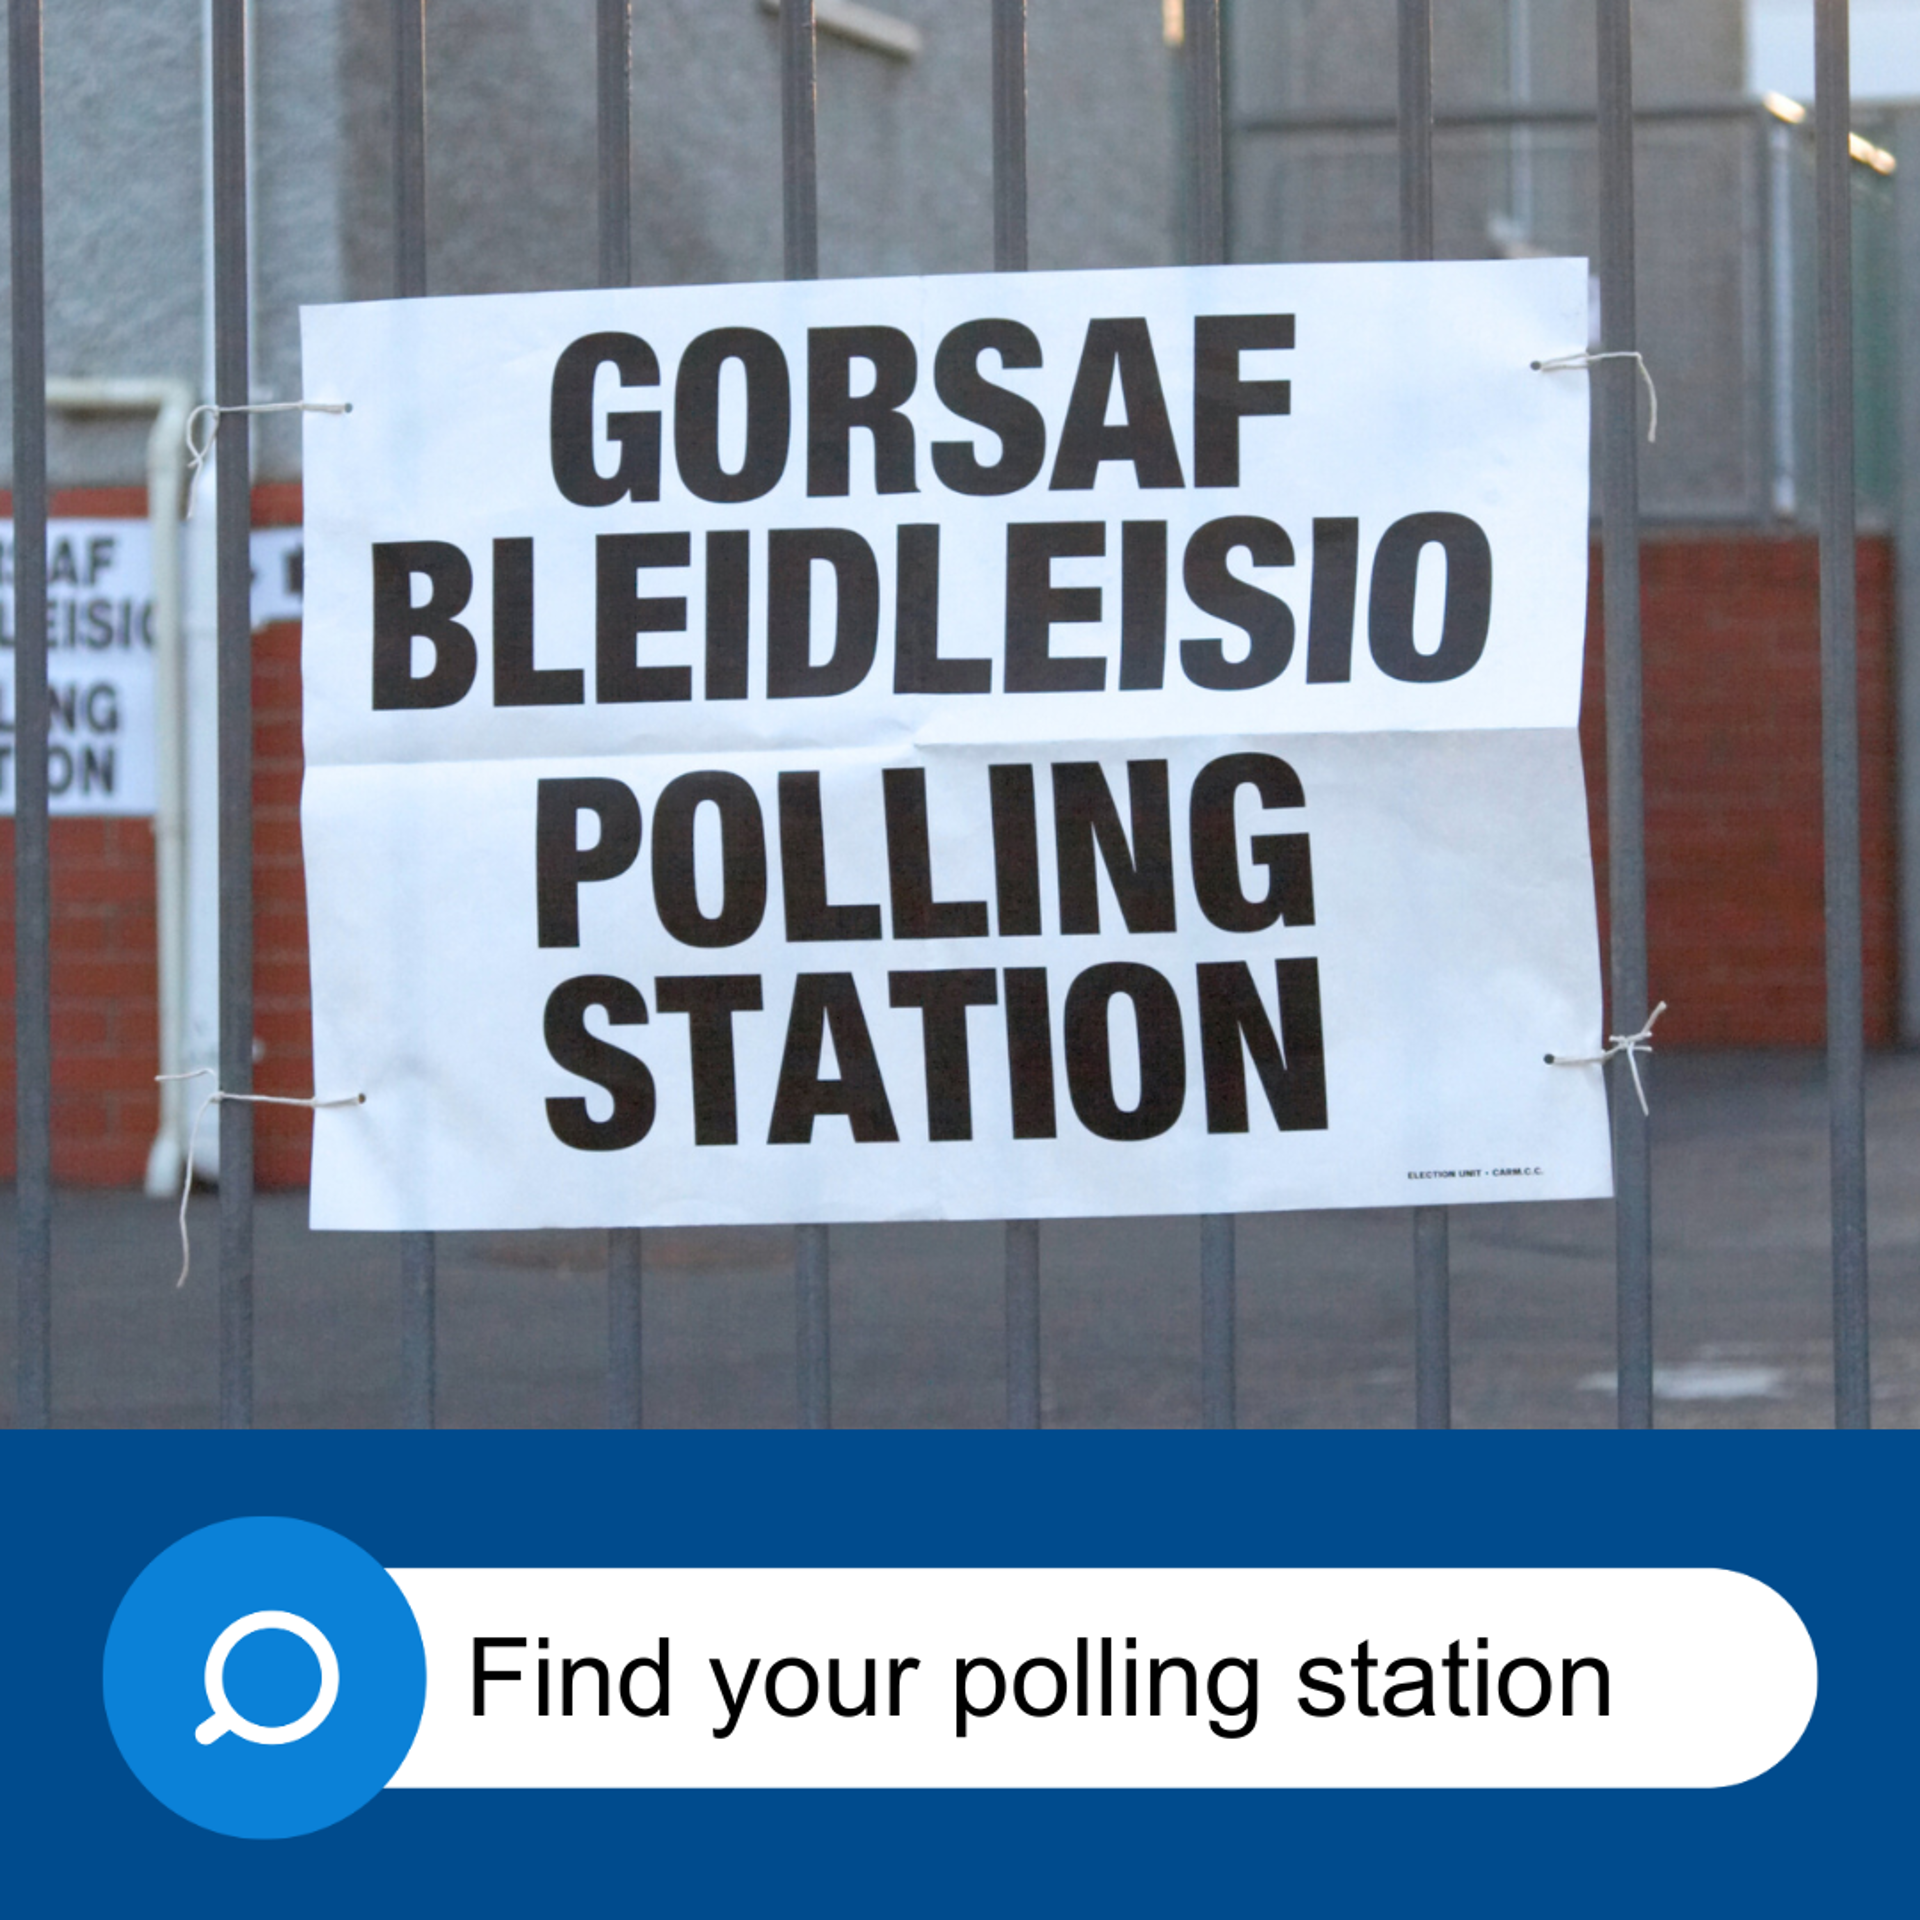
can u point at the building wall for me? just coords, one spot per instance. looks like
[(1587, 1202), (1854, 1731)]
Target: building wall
[(1331, 191), (1735, 902), (125, 209), (904, 152)]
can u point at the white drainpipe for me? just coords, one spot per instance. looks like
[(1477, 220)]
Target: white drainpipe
[(200, 723), (169, 401)]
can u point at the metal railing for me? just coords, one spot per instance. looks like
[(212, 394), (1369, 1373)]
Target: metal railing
[(1616, 403)]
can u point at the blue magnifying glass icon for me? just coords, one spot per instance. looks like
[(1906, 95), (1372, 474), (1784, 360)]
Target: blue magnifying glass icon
[(233, 1724)]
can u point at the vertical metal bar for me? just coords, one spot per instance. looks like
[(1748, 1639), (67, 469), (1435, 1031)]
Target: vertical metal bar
[(419, 1330), (1206, 152), (1755, 364), (409, 148), (1906, 541), (1520, 195), (799, 175), (235, 701), (32, 891), (1010, 256), (626, 1248), (625, 1251), (1023, 1323), (800, 203), (812, 1272), (1432, 1279), (1009, 136), (1217, 1289), (419, 1318), (1432, 1319), (616, 143), (1416, 129), (1780, 305), (1619, 403), (1840, 718), (1207, 246)]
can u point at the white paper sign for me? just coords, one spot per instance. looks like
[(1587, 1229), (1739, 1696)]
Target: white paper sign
[(957, 748), (100, 755)]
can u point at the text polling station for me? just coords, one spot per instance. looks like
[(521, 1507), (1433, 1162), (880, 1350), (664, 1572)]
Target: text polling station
[(1033, 745)]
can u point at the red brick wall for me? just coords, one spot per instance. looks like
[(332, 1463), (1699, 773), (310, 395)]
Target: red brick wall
[(104, 1023), (1731, 628), (1732, 703), (105, 987)]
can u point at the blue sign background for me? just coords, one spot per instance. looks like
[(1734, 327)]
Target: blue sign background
[(1827, 1519)]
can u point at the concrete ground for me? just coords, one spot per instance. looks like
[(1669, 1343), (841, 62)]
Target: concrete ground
[(1742, 1314)]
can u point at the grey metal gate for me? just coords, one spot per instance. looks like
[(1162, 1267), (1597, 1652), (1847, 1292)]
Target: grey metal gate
[(1615, 375)]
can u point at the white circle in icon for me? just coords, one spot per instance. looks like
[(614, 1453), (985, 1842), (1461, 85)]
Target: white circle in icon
[(224, 1719)]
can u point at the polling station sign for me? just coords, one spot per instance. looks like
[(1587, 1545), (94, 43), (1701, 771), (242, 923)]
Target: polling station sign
[(102, 753), (100, 684), (950, 748)]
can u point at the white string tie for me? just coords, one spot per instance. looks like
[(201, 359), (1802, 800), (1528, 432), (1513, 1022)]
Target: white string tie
[(214, 1099), (198, 449), (1577, 362), (1633, 1045)]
